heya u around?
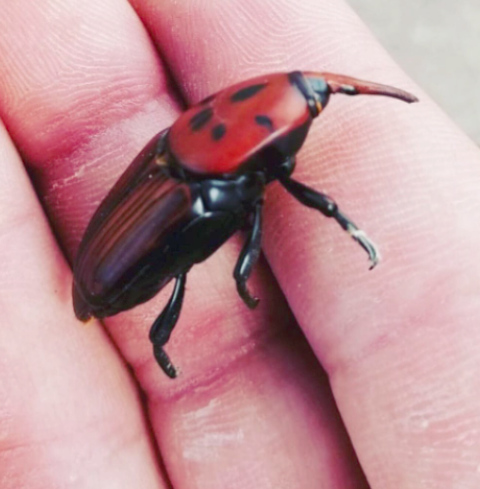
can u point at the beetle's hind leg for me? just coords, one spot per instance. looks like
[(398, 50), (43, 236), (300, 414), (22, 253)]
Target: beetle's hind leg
[(164, 324), (327, 206), (248, 257)]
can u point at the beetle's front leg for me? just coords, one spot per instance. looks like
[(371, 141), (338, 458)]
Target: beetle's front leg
[(248, 257), (164, 324), (327, 206)]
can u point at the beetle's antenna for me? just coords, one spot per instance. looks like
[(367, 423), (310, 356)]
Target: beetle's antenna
[(354, 86)]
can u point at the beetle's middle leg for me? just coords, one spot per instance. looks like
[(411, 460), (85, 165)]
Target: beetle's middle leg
[(248, 257), (164, 324), (328, 207)]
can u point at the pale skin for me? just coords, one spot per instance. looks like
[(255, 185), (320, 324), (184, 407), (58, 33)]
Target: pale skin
[(82, 88)]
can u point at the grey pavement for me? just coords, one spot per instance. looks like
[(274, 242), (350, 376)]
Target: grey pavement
[(437, 42)]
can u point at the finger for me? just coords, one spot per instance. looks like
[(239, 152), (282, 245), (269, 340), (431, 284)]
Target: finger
[(69, 411), (218, 340), (398, 343), (72, 62)]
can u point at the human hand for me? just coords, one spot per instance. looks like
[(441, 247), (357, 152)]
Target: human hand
[(82, 88)]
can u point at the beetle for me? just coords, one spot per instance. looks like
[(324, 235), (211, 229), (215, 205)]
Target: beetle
[(198, 182)]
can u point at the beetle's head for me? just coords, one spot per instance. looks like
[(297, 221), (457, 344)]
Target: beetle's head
[(323, 84), (320, 92)]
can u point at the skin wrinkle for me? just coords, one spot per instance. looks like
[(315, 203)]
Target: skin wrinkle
[(231, 361), (221, 416)]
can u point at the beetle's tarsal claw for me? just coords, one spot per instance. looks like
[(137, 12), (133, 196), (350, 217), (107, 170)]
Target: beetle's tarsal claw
[(250, 300), (164, 361), (359, 236), (364, 241)]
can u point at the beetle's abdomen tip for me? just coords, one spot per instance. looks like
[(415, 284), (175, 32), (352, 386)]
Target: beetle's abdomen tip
[(85, 318)]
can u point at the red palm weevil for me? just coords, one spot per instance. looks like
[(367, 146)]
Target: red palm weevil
[(198, 182)]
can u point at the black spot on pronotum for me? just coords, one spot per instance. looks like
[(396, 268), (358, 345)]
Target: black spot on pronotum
[(247, 92), (219, 131), (265, 121), (200, 119)]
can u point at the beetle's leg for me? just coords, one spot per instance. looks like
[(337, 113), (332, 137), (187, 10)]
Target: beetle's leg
[(248, 257), (164, 324), (327, 206)]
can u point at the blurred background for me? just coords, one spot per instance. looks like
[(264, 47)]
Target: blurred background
[(437, 42)]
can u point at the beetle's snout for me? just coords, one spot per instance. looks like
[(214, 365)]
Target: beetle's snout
[(353, 86)]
